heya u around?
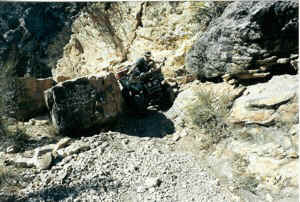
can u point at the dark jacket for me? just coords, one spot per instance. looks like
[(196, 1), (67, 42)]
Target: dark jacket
[(142, 65)]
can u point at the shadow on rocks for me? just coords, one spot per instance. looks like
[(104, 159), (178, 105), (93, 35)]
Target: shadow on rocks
[(150, 124), (55, 193), (66, 192)]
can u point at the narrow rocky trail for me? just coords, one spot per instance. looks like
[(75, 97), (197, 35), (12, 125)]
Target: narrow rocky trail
[(135, 161)]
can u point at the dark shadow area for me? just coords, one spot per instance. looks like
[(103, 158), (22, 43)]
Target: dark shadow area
[(275, 70), (8, 198), (249, 82), (77, 133), (149, 124), (22, 142), (55, 193), (152, 123), (213, 79), (64, 191)]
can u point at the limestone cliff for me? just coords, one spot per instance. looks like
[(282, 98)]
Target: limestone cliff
[(106, 34)]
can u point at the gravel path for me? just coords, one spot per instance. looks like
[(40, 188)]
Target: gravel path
[(132, 167), (119, 167)]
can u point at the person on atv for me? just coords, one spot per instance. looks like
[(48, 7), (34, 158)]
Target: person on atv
[(143, 65), (143, 89)]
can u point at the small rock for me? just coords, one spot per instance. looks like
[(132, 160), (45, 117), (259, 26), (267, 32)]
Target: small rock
[(125, 141), (183, 133), (104, 145), (43, 162), (152, 190), (31, 122), (294, 129), (268, 60), (140, 189), (152, 182), (292, 155), (176, 137), (63, 142), (76, 148), (283, 60), (294, 64), (269, 198), (41, 122), (293, 56), (22, 162), (11, 149), (96, 144)]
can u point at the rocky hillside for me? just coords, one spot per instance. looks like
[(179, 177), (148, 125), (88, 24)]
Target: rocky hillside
[(107, 35), (232, 133)]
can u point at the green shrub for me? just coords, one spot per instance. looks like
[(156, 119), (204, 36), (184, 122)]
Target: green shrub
[(208, 113)]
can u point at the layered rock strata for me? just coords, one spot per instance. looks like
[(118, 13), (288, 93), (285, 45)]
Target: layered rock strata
[(261, 36)]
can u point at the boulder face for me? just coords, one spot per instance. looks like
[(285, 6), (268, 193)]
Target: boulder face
[(82, 103), (248, 35)]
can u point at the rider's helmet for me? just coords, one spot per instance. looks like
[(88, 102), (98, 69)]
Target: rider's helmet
[(147, 54)]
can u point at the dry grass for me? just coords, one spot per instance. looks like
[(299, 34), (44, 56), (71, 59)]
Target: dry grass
[(208, 113), (13, 137), (7, 177), (9, 185)]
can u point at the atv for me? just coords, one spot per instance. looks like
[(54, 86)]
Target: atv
[(146, 89)]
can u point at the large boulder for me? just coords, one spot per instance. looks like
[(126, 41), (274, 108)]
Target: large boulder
[(248, 35), (82, 103)]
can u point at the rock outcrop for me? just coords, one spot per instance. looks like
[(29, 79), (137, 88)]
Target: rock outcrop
[(179, 112), (23, 97), (268, 103), (32, 35), (104, 36), (82, 103), (258, 152), (248, 36)]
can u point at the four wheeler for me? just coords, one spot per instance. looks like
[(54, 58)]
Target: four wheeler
[(146, 89)]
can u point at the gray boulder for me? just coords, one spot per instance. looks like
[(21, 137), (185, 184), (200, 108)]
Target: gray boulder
[(248, 35), (82, 103)]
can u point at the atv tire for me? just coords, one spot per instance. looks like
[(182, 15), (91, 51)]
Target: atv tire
[(139, 103), (167, 97)]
